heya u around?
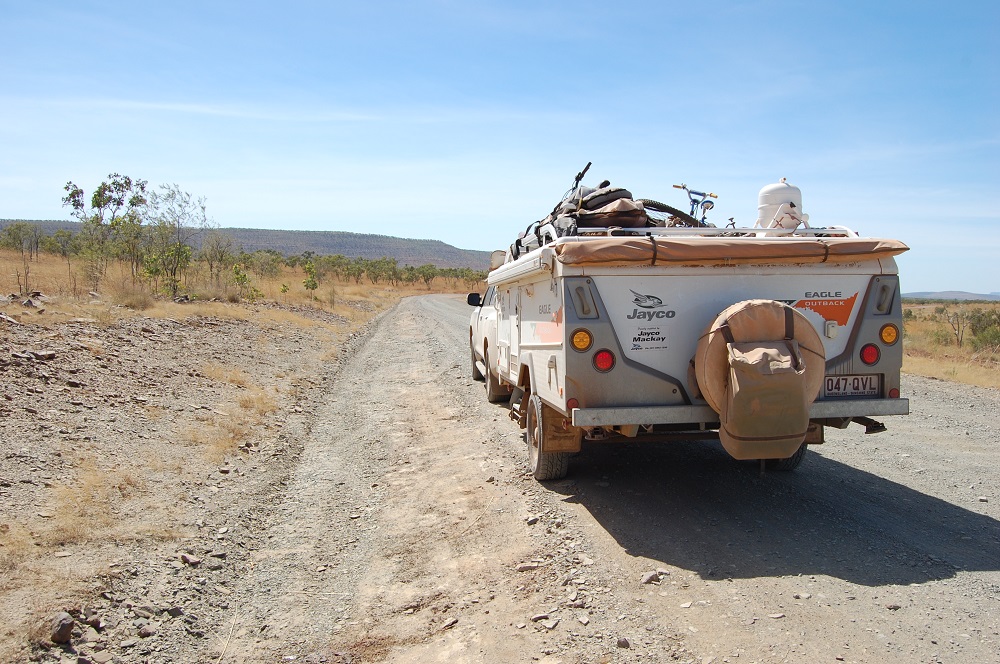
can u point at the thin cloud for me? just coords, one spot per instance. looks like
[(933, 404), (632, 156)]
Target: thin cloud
[(426, 115)]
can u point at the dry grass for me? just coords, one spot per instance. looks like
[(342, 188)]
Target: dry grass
[(954, 370), (219, 437), (86, 509), (121, 296), (258, 402), (16, 546), (931, 349), (224, 374)]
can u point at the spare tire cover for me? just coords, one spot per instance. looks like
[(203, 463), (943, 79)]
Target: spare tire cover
[(750, 321)]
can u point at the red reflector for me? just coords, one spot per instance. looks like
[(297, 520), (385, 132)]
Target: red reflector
[(572, 403), (894, 393), (870, 354), (604, 360)]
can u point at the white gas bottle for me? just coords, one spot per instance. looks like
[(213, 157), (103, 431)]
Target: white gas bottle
[(779, 205)]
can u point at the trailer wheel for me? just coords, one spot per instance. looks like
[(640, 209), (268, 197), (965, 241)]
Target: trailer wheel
[(476, 373), (544, 465), (495, 393), (791, 463)]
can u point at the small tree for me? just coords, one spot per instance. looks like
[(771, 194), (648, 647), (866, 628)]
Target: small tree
[(245, 289), (177, 218), (959, 321), (427, 273), (217, 252), (310, 283), (355, 269), (17, 236), (117, 197)]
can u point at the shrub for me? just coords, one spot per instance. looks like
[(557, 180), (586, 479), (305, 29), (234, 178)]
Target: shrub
[(133, 298), (987, 339), (941, 337)]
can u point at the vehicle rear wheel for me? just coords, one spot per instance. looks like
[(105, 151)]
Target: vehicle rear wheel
[(543, 465), (791, 463), (495, 392), (476, 373)]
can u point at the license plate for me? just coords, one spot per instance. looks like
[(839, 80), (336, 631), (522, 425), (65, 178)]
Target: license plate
[(851, 386)]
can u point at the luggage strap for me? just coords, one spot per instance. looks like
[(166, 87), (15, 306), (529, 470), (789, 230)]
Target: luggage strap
[(727, 333)]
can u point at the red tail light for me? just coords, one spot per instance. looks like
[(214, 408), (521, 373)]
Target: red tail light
[(870, 354), (604, 360), (571, 404)]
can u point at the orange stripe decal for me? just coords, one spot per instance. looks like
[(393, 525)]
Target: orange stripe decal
[(835, 310)]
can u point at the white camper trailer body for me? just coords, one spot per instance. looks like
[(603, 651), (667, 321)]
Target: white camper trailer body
[(597, 332)]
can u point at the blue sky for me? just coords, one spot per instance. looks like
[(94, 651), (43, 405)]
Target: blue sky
[(465, 121)]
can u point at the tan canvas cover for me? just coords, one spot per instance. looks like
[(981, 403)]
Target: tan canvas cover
[(623, 212), (765, 413), (761, 323), (716, 250)]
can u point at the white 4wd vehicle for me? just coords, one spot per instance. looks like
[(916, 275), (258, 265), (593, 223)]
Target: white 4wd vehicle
[(617, 318), (483, 344)]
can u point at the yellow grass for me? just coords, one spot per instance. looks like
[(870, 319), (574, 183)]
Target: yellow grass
[(258, 401), (931, 349), (83, 510), (16, 546), (224, 374), (120, 295)]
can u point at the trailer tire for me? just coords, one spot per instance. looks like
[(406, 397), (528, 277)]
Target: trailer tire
[(791, 463), (543, 465), (495, 393), (476, 373)]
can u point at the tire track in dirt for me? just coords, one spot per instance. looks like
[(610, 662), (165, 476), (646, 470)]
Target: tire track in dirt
[(402, 527), (874, 551)]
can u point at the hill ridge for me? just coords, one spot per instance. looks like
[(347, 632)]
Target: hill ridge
[(406, 251)]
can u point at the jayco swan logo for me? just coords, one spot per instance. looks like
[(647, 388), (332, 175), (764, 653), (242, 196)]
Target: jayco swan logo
[(645, 304)]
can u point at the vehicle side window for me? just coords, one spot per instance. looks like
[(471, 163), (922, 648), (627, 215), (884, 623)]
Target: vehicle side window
[(490, 296)]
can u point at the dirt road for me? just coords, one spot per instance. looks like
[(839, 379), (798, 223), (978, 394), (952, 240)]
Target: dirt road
[(395, 523), (410, 514)]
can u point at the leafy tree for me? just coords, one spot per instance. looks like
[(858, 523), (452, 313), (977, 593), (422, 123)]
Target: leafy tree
[(131, 240), (17, 236), (263, 262), (382, 269), (217, 252), (335, 264), (427, 273), (176, 219), (116, 198), (981, 320), (244, 288), (310, 282), (355, 269), (62, 243), (408, 275)]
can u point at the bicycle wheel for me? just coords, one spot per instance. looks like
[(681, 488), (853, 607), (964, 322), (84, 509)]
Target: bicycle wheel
[(671, 210)]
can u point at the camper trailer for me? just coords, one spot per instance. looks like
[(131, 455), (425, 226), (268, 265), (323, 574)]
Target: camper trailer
[(619, 318)]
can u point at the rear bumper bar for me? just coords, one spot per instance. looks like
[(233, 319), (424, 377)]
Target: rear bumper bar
[(595, 417)]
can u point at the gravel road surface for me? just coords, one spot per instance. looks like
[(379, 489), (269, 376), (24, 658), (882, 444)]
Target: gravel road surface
[(402, 527), (412, 498)]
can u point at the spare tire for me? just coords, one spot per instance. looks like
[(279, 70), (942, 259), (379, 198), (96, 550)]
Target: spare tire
[(750, 321), (760, 365)]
